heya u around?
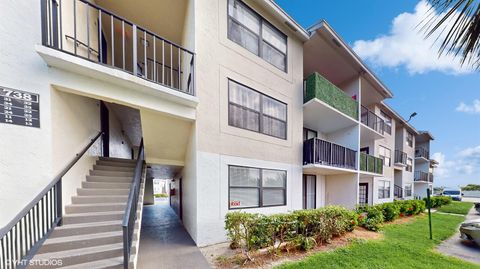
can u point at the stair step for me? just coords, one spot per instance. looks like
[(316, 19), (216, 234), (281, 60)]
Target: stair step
[(92, 217), (96, 192), (98, 207), (117, 164), (109, 179), (105, 185), (112, 263), (82, 255), (113, 159), (113, 168), (80, 241), (87, 228), (111, 173), (99, 199)]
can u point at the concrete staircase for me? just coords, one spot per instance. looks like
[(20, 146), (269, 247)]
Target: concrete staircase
[(91, 235)]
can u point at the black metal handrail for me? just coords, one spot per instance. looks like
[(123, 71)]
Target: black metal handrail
[(397, 191), (318, 151), (117, 42), (422, 152), (400, 157), (372, 120), (25, 233), (130, 216)]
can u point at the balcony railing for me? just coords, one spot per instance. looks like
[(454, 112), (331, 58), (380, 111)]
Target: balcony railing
[(372, 120), (397, 192), (319, 87), (420, 176), (430, 177), (422, 152), (400, 157), (91, 32), (372, 164), (317, 151)]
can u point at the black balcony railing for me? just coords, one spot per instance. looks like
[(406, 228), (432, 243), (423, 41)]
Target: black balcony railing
[(372, 120), (91, 32), (317, 151), (422, 152), (420, 176), (397, 192), (430, 177), (400, 157)]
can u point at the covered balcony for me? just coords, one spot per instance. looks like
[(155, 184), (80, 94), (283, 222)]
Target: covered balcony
[(372, 127), (371, 164), (140, 38), (421, 152), (327, 108), (327, 157), (400, 158), (420, 176)]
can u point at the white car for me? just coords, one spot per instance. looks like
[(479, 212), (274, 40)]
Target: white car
[(456, 194)]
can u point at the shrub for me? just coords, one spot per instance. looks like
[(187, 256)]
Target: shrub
[(391, 211), (373, 218), (302, 228), (438, 201), (160, 195)]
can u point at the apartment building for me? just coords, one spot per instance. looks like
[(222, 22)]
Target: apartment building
[(235, 102), (424, 165)]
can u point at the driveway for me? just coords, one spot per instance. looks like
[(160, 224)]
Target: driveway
[(463, 249)]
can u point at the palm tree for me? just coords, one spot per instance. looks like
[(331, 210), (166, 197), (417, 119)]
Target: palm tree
[(461, 18)]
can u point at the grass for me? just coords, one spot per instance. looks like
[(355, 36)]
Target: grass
[(455, 207), (403, 246)]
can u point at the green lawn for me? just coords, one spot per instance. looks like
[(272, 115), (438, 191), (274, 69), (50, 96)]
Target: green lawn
[(403, 246), (456, 208)]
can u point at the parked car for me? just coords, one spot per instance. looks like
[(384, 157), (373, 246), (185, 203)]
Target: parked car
[(470, 230), (456, 194)]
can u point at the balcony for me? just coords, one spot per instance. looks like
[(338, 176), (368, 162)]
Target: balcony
[(320, 152), (371, 164), (375, 124), (95, 34), (430, 177), (400, 158), (421, 176), (421, 152)]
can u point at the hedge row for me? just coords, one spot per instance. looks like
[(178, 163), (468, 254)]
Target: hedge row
[(438, 201), (373, 217), (300, 229)]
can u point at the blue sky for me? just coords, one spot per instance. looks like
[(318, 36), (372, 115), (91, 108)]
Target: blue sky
[(445, 95)]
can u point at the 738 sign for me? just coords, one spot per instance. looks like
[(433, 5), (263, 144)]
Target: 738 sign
[(19, 95)]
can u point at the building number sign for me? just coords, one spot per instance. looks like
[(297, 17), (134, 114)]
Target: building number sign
[(19, 107)]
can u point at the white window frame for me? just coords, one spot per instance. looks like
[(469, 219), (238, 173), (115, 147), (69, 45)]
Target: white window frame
[(384, 189), (388, 122), (382, 154), (409, 139)]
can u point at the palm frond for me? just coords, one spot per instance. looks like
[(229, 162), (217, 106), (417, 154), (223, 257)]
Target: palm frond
[(460, 19)]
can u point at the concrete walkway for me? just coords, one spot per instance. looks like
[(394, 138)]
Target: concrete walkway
[(164, 242), (463, 249)]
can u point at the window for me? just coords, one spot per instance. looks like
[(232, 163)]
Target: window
[(308, 134), (388, 122), (383, 189), (409, 167), (385, 154), (251, 110), (408, 190), (251, 31), (409, 139), (256, 187)]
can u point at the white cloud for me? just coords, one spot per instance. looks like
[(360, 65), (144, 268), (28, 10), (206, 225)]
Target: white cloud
[(463, 168), (405, 46), (474, 108)]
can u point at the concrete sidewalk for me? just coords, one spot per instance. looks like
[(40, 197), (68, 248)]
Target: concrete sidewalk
[(164, 242), (463, 249)]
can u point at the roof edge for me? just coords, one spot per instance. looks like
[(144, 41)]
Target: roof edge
[(400, 118), (324, 24), (294, 25)]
